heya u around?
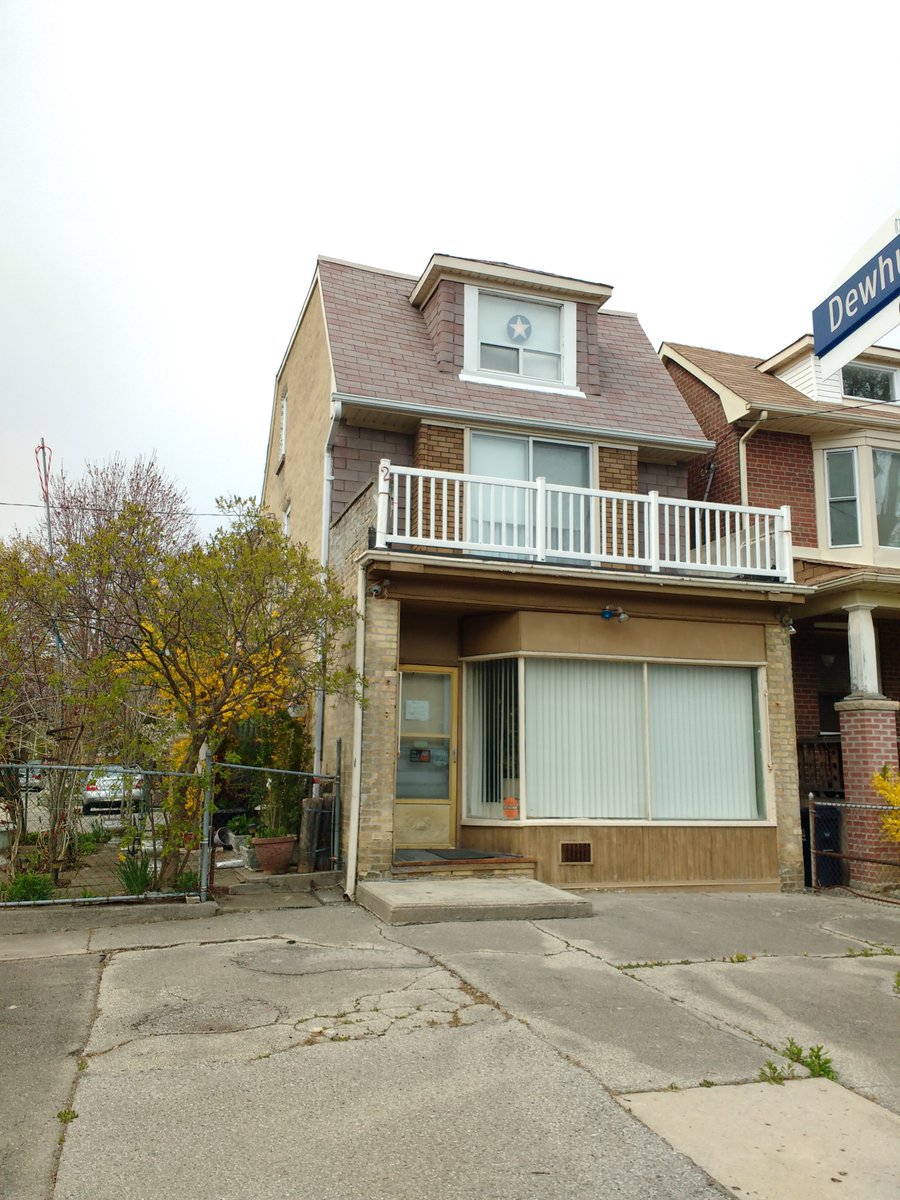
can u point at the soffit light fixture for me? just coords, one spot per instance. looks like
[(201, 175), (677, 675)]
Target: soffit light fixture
[(612, 610)]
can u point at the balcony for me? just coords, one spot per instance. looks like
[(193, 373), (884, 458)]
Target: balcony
[(572, 526)]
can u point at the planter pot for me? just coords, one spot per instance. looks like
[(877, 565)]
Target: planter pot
[(274, 853)]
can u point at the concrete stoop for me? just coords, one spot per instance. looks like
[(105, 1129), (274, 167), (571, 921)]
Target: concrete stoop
[(424, 901)]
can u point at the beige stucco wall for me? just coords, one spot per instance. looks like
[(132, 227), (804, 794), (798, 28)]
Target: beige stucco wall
[(306, 377)]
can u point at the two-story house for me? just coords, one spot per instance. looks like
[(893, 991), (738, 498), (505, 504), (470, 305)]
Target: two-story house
[(570, 667), (829, 447)]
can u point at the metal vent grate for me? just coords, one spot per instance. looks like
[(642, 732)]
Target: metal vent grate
[(575, 852)]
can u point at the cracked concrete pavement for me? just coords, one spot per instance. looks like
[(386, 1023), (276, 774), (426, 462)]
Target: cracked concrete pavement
[(319, 1053)]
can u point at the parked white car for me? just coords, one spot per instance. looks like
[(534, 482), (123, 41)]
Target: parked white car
[(110, 787)]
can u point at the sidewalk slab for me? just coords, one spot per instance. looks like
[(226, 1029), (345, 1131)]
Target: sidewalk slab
[(808, 1137), (421, 901)]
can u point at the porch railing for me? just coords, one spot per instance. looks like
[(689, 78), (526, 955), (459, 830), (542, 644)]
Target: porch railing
[(548, 522)]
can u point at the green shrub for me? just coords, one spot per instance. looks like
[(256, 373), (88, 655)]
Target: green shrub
[(30, 886), (187, 881), (135, 872)]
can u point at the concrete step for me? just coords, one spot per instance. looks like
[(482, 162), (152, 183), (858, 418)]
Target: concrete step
[(242, 881), (422, 902)]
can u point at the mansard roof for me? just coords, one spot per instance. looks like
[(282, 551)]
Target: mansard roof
[(381, 349)]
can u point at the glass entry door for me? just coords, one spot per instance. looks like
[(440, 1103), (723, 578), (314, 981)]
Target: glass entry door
[(425, 796)]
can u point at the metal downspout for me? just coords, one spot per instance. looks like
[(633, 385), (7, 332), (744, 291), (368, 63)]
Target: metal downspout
[(742, 454), (356, 781), (327, 489)]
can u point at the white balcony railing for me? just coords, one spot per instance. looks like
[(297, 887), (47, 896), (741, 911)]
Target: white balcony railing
[(549, 522)]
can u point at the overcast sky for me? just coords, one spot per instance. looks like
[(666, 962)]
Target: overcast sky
[(169, 172)]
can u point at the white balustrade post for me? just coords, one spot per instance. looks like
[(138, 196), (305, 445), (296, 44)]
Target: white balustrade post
[(540, 518), (863, 650), (653, 530), (785, 548), (384, 504)]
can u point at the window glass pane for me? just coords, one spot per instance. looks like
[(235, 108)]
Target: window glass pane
[(499, 358), (703, 743), (841, 476), (492, 737), (886, 464), (423, 759), (541, 366), (868, 383), (844, 522), (584, 741), (502, 457), (843, 509), (559, 463), (509, 321)]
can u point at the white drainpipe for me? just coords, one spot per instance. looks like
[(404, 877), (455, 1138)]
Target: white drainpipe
[(356, 781), (742, 454), (327, 489)]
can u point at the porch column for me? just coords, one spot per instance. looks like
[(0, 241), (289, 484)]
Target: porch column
[(863, 656), (868, 742)]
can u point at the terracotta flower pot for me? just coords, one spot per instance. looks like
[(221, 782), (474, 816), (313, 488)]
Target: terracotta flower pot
[(274, 853)]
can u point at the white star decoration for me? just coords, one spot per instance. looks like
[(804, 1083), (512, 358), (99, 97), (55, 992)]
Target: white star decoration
[(519, 328)]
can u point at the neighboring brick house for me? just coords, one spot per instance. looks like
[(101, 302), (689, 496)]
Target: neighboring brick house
[(829, 447), (570, 668)]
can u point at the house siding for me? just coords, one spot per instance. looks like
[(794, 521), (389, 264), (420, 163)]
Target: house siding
[(306, 380), (357, 453)]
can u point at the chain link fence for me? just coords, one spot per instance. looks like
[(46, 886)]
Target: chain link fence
[(108, 832), (844, 844)]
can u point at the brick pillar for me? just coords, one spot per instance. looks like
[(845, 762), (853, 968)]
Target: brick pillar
[(379, 738), (868, 743), (783, 739)]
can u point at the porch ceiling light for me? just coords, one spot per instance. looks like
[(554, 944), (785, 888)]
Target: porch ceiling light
[(610, 610)]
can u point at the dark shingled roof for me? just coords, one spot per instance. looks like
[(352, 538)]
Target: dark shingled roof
[(381, 348), (741, 375)]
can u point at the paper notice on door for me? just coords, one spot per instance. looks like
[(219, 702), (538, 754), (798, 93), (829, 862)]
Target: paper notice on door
[(417, 710)]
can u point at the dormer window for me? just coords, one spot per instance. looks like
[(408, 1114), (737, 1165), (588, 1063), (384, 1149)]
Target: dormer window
[(518, 338), (863, 382), (518, 341)]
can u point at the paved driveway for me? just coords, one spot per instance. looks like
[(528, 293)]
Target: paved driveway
[(318, 1053)]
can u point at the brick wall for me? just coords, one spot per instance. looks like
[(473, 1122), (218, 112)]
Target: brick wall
[(784, 757), (379, 739), (357, 453), (707, 408), (618, 472), (439, 448), (780, 471), (869, 742), (779, 465), (444, 319), (806, 681)]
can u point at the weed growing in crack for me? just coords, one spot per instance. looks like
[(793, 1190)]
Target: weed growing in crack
[(773, 1073), (739, 958), (707, 1083), (819, 1064), (67, 1115)]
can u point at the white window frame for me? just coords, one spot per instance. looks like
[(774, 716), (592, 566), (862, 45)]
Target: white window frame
[(472, 371), (883, 369), (286, 520), (853, 451)]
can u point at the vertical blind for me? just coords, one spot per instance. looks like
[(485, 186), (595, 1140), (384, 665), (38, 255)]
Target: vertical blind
[(492, 747), (616, 740)]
